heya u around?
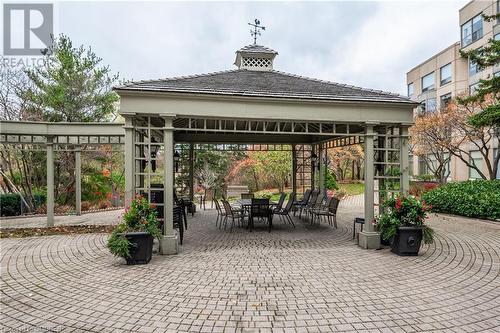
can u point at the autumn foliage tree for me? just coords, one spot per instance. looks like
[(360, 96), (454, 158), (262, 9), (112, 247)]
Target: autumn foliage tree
[(431, 141), (346, 161)]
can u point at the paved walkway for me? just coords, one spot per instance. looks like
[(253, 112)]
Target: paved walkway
[(307, 279)]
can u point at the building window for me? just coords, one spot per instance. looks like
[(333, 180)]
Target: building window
[(428, 106), (410, 89), (445, 73), (496, 37), (477, 158), (496, 74), (473, 88), (473, 68), (444, 100), (472, 30), (431, 105), (428, 82)]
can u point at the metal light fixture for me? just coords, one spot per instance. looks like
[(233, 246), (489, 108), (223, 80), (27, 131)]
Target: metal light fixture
[(314, 158), (177, 158), (154, 151)]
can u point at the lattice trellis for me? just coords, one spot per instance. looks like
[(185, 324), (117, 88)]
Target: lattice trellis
[(257, 63)]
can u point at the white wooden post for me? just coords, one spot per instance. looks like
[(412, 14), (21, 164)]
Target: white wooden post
[(403, 160), (369, 238), (129, 151), (168, 244), (78, 180), (50, 181)]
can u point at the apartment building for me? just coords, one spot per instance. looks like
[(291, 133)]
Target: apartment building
[(447, 74)]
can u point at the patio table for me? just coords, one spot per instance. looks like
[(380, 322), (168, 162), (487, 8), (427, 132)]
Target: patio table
[(246, 205)]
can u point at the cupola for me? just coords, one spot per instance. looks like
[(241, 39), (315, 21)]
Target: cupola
[(255, 58)]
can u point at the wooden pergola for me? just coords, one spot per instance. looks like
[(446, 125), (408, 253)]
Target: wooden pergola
[(257, 105), (53, 137)]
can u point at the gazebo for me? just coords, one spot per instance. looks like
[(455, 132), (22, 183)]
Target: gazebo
[(255, 104)]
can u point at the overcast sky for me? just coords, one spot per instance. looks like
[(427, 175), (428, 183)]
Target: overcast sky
[(370, 44)]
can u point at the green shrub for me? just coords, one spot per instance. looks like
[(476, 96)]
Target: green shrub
[(473, 198), (331, 180), (10, 204), (140, 216)]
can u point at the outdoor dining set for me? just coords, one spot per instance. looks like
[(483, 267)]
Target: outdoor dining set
[(248, 209)]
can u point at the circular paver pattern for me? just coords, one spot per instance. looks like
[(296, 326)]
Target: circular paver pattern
[(307, 279)]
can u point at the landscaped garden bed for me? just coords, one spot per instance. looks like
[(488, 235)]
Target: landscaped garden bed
[(59, 230), (474, 198)]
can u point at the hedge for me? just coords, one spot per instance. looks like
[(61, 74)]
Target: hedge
[(10, 203), (473, 198)]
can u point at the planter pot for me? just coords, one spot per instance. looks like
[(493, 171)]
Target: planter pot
[(141, 247), (385, 242), (407, 241)]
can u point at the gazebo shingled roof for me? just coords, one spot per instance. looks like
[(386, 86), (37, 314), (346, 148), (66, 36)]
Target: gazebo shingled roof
[(243, 82)]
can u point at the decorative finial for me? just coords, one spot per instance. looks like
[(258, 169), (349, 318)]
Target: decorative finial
[(256, 30)]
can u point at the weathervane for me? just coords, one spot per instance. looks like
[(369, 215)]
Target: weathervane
[(256, 30)]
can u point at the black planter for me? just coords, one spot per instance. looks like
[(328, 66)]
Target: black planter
[(407, 241), (141, 247)]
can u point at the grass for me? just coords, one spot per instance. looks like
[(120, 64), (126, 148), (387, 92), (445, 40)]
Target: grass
[(353, 188)]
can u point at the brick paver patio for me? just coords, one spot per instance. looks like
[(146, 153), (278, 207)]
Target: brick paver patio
[(308, 279)]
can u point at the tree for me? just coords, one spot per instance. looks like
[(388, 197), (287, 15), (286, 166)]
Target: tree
[(264, 168), (346, 160), (71, 85), (464, 135), (482, 108), (431, 141)]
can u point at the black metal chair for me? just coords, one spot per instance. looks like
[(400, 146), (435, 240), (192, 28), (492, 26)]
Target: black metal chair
[(179, 213), (279, 205), (297, 205), (220, 213), (321, 211), (285, 212), (230, 212), (311, 200), (260, 209)]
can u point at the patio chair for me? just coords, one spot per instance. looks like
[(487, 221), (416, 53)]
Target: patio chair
[(247, 196), (310, 200), (321, 210), (300, 203), (220, 213), (332, 216), (178, 217), (203, 198), (230, 212), (285, 212), (314, 204), (260, 209), (279, 205)]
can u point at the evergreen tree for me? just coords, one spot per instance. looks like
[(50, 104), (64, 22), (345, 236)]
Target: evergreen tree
[(72, 85)]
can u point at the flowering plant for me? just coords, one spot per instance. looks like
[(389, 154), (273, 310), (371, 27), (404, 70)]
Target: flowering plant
[(139, 216), (404, 211)]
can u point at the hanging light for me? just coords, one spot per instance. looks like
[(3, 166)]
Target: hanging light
[(314, 158), (177, 158), (154, 151)]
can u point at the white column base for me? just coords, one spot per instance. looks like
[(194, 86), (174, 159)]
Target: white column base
[(369, 240), (169, 244)]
